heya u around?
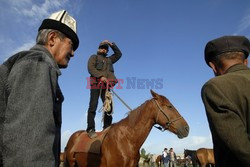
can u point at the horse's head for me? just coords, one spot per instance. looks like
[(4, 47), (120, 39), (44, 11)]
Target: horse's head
[(168, 117), (185, 153), (188, 152)]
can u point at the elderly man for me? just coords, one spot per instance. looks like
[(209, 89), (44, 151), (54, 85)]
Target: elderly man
[(227, 100), (30, 97)]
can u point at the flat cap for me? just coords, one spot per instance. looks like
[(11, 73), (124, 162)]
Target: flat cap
[(64, 23), (104, 45), (226, 44)]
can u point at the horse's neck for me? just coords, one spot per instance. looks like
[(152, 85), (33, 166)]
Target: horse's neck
[(142, 121)]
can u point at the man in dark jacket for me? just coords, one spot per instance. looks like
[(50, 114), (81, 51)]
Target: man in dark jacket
[(227, 100), (102, 76), (30, 97)]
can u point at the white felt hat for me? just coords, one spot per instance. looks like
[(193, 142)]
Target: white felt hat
[(64, 23)]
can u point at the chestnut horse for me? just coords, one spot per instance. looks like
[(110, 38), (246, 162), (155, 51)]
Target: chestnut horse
[(123, 140), (205, 156), (158, 161)]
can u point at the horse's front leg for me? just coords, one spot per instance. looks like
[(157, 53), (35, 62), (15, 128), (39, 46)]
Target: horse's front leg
[(132, 163)]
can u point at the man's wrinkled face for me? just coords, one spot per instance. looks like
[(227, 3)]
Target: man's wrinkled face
[(64, 51)]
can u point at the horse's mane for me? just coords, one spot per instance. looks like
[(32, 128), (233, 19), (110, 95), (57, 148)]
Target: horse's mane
[(134, 114), (190, 151)]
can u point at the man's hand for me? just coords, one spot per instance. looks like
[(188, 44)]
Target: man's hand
[(108, 42), (104, 79)]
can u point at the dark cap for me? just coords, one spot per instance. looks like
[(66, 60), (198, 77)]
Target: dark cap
[(226, 44), (104, 45), (64, 23)]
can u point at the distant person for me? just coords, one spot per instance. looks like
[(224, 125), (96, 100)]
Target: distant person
[(227, 100), (165, 157), (172, 158), (187, 160), (30, 96), (102, 77)]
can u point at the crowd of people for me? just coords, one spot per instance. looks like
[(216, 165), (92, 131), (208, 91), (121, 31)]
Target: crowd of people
[(168, 158)]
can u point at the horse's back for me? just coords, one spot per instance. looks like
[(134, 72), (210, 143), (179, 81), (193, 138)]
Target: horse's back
[(205, 156), (211, 156), (72, 139), (69, 159)]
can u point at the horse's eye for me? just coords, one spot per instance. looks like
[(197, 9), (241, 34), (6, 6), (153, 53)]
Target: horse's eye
[(169, 106)]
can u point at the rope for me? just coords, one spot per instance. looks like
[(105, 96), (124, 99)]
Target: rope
[(108, 103), (121, 100)]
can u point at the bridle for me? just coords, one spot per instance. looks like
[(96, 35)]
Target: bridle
[(169, 122)]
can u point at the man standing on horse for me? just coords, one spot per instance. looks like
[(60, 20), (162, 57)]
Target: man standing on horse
[(30, 96), (102, 77), (227, 100)]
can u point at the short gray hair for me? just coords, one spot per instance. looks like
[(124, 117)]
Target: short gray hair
[(218, 60), (42, 36)]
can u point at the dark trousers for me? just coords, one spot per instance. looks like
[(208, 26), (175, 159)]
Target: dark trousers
[(94, 97)]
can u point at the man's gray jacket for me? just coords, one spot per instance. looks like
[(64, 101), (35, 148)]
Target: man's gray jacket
[(30, 109)]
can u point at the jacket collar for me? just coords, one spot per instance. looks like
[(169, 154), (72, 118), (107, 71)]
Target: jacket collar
[(237, 67), (50, 59)]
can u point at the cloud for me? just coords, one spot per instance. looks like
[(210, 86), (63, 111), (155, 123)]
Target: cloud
[(8, 52), (25, 46), (244, 23), (194, 142), (191, 142), (34, 10), (199, 141), (26, 14)]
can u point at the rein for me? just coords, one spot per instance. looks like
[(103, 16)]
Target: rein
[(169, 121), (121, 99)]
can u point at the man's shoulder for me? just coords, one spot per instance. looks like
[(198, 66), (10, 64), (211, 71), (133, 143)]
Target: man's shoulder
[(226, 81), (214, 81), (29, 57), (93, 56)]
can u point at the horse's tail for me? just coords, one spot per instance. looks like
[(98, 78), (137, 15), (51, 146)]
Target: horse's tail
[(194, 159), (197, 159)]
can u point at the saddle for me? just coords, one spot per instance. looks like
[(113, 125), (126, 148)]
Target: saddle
[(88, 145)]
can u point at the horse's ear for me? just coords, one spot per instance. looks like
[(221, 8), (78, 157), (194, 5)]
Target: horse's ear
[(155, 95)]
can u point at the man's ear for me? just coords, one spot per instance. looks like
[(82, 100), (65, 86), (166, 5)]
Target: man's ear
[(245, 62), (52, 38), (212, 65)]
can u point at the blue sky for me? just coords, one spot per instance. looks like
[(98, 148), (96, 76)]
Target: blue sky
[(159, 39)]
